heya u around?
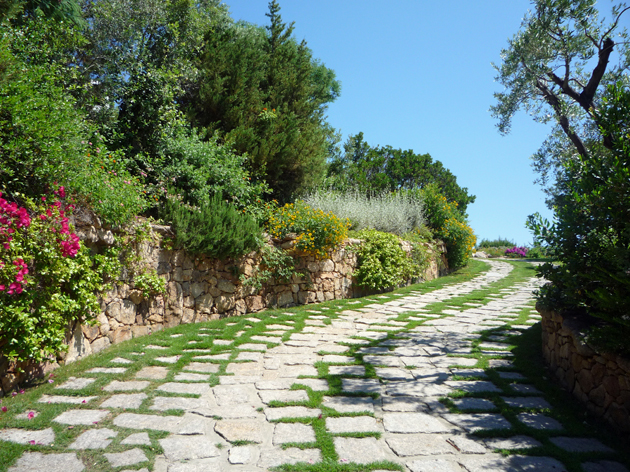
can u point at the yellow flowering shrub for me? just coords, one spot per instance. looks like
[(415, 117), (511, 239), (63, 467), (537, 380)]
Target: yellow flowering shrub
[(449, 225), (318, 233)]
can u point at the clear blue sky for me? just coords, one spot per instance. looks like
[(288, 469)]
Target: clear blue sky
[(417, 75)]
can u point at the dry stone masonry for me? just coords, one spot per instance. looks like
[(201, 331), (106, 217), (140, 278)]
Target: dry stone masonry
[(601, 381)]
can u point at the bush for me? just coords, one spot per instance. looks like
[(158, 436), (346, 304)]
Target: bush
[(498, 243), (591, 235), (215, 228), (449, 225), (516, 252), (47, 279), (397, 213), (317, 232), (383, 265), (44, 140), (198, 169)]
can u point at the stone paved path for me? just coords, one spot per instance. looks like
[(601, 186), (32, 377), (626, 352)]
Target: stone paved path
[(271, 397)]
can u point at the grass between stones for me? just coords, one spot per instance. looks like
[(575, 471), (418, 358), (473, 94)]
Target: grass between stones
[(188, 341)]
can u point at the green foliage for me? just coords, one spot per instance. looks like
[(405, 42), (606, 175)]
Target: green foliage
[(499, 243), (376, 170), (198, 169), (449, 225), (215, 228), (44, 285), (264, 93), (44, 139), (397, 212), (317, 233), (383, 264), (150, 284), (591, 234), (275, 264)]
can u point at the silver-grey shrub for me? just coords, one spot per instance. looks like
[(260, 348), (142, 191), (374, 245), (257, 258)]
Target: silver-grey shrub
[(397, 213)]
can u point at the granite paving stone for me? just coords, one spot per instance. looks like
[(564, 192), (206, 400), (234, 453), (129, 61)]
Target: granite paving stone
[(349, 404), (478, 421), (268, 396), (293, 433), (273, 414), (191, 377), (76, 383), (361, 450), (180, 387), (152, 372), (526, 402), (38, 462), (64, 399), (359, 385), (107, 370), (241, 454), (409, 422), (94, 439), (538, 421), (76, 417), (353, 424), (433, 465), (513, 442), (131, 385), (180, 448), (177, 403), (473, 386), (24, 436), (137, 439), (242, 430), (405, 445), (132, 400), (130, 457), (356, 370), (473, 404), (292, 455)]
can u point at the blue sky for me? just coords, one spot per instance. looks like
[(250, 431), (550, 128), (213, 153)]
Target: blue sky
[(417, 75)]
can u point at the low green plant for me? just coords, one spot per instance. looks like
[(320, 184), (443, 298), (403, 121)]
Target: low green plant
[(383, 264), (275, 263), (150, 284), (317, 233), (216, 228)]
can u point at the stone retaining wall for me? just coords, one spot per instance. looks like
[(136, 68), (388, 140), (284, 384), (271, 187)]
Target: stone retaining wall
[(201, 289), (600, 381)]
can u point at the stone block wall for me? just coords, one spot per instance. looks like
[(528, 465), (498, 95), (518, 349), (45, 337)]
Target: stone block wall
[(601, 381), (201, 288)]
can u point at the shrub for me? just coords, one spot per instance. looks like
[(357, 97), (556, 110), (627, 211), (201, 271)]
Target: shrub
[(47, 278), (44, 139), (590, 238), (449, 225), (215, 228), (499, 242), (317, 232), (382, 262), (398, 212), (516, 252)]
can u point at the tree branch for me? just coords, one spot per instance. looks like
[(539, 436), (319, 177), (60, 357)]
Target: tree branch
[(563, 120)]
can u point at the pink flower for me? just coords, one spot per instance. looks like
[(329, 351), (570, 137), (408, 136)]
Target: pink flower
[(4, 409), (51, 381), (32, 442), (43, 199), (31, 415), (22, 391)]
